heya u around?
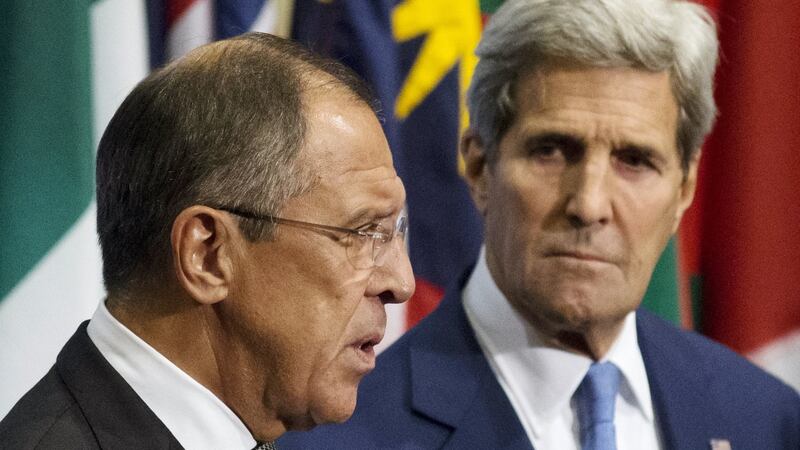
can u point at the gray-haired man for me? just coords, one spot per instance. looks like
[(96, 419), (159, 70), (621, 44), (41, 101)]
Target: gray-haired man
[(587, 118)]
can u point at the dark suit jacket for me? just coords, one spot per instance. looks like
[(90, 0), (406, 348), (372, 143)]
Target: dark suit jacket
[(435, 389), (83, 403)]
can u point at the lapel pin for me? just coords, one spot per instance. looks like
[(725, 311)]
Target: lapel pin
[(720, 444)]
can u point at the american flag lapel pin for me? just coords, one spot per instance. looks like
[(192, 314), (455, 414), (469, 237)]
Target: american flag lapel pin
[(720, 444)]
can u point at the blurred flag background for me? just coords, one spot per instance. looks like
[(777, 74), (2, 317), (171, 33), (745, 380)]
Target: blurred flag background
[(64, 68), (731, 273)]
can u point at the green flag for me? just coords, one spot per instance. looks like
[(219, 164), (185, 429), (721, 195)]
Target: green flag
[(663, 294), (46, 138), (49, 264), (46, 162)]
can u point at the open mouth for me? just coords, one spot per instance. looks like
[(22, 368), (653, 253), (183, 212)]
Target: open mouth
[(366, 349), (368, 346)]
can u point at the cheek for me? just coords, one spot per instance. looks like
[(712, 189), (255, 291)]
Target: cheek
[(522, 199), (333, 384), (527, 210), (317, 297), (647, 223), (309, 307), (323, 388), (323, 336), (337, 304), (522, 205)]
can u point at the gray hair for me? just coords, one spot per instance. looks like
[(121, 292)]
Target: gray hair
[(221, 127), (655, 35)]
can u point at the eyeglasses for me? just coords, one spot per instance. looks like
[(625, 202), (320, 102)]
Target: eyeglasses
[(366, 248)]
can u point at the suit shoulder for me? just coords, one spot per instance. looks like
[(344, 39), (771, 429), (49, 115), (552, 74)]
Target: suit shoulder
[(733, 375), (47, 416)]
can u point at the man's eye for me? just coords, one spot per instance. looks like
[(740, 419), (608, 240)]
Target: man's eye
[(544, 151), (636, 160), (554, 148), (372, 227)]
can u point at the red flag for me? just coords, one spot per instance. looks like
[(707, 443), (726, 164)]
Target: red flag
[(748, 203)]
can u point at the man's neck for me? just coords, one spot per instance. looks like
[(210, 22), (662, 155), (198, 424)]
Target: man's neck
[(594, 343), (174, 327), (190, 336)]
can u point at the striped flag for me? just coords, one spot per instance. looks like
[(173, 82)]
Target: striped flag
[(65, 67), (177, 26)]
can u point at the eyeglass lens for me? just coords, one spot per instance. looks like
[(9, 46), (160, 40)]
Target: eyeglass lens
[(366, 252), (380, 249)]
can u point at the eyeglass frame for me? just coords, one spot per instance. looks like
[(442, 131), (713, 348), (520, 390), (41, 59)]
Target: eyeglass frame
[(382, 237)]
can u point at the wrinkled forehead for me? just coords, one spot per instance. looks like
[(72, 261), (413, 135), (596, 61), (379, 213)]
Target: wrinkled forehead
[(575, 79), (638, 101)]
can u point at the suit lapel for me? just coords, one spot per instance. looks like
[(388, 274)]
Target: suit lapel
[(452, 383), (678, 385), (117, 416)]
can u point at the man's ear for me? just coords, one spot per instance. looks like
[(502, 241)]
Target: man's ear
[(688, 188), (201, 253), (475, 168)]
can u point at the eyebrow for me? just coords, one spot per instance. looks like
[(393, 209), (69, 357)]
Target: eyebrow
[(577, 143), (564, 139), (645, 151), (361, 217), (573, 146)]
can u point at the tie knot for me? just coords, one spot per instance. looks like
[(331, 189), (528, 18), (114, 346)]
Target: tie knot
[(597, 394)]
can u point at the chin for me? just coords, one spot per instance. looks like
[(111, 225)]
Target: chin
[(321, 416), (591, 313), (336, 409), (570, 317), (572, 310)]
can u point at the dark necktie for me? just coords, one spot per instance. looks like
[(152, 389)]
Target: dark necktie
[(265, 446), (595, 398)]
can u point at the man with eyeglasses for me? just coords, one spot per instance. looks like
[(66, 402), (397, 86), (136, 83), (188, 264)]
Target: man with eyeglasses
[(252, 229), (586, 122)]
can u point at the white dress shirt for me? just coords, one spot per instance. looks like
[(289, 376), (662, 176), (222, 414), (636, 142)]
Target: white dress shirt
[(540, 380), (194, 415)]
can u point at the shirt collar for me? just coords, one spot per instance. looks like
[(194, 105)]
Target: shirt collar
[(192, 413), (543, 376)]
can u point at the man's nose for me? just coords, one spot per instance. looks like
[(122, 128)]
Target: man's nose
[(588, 186), (393, 281)]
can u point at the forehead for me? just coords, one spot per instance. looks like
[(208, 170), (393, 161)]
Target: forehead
[(347, 149), (600, 103)]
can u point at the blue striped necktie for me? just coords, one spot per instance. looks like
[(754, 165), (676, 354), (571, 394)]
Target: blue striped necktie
[(595, 399)]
